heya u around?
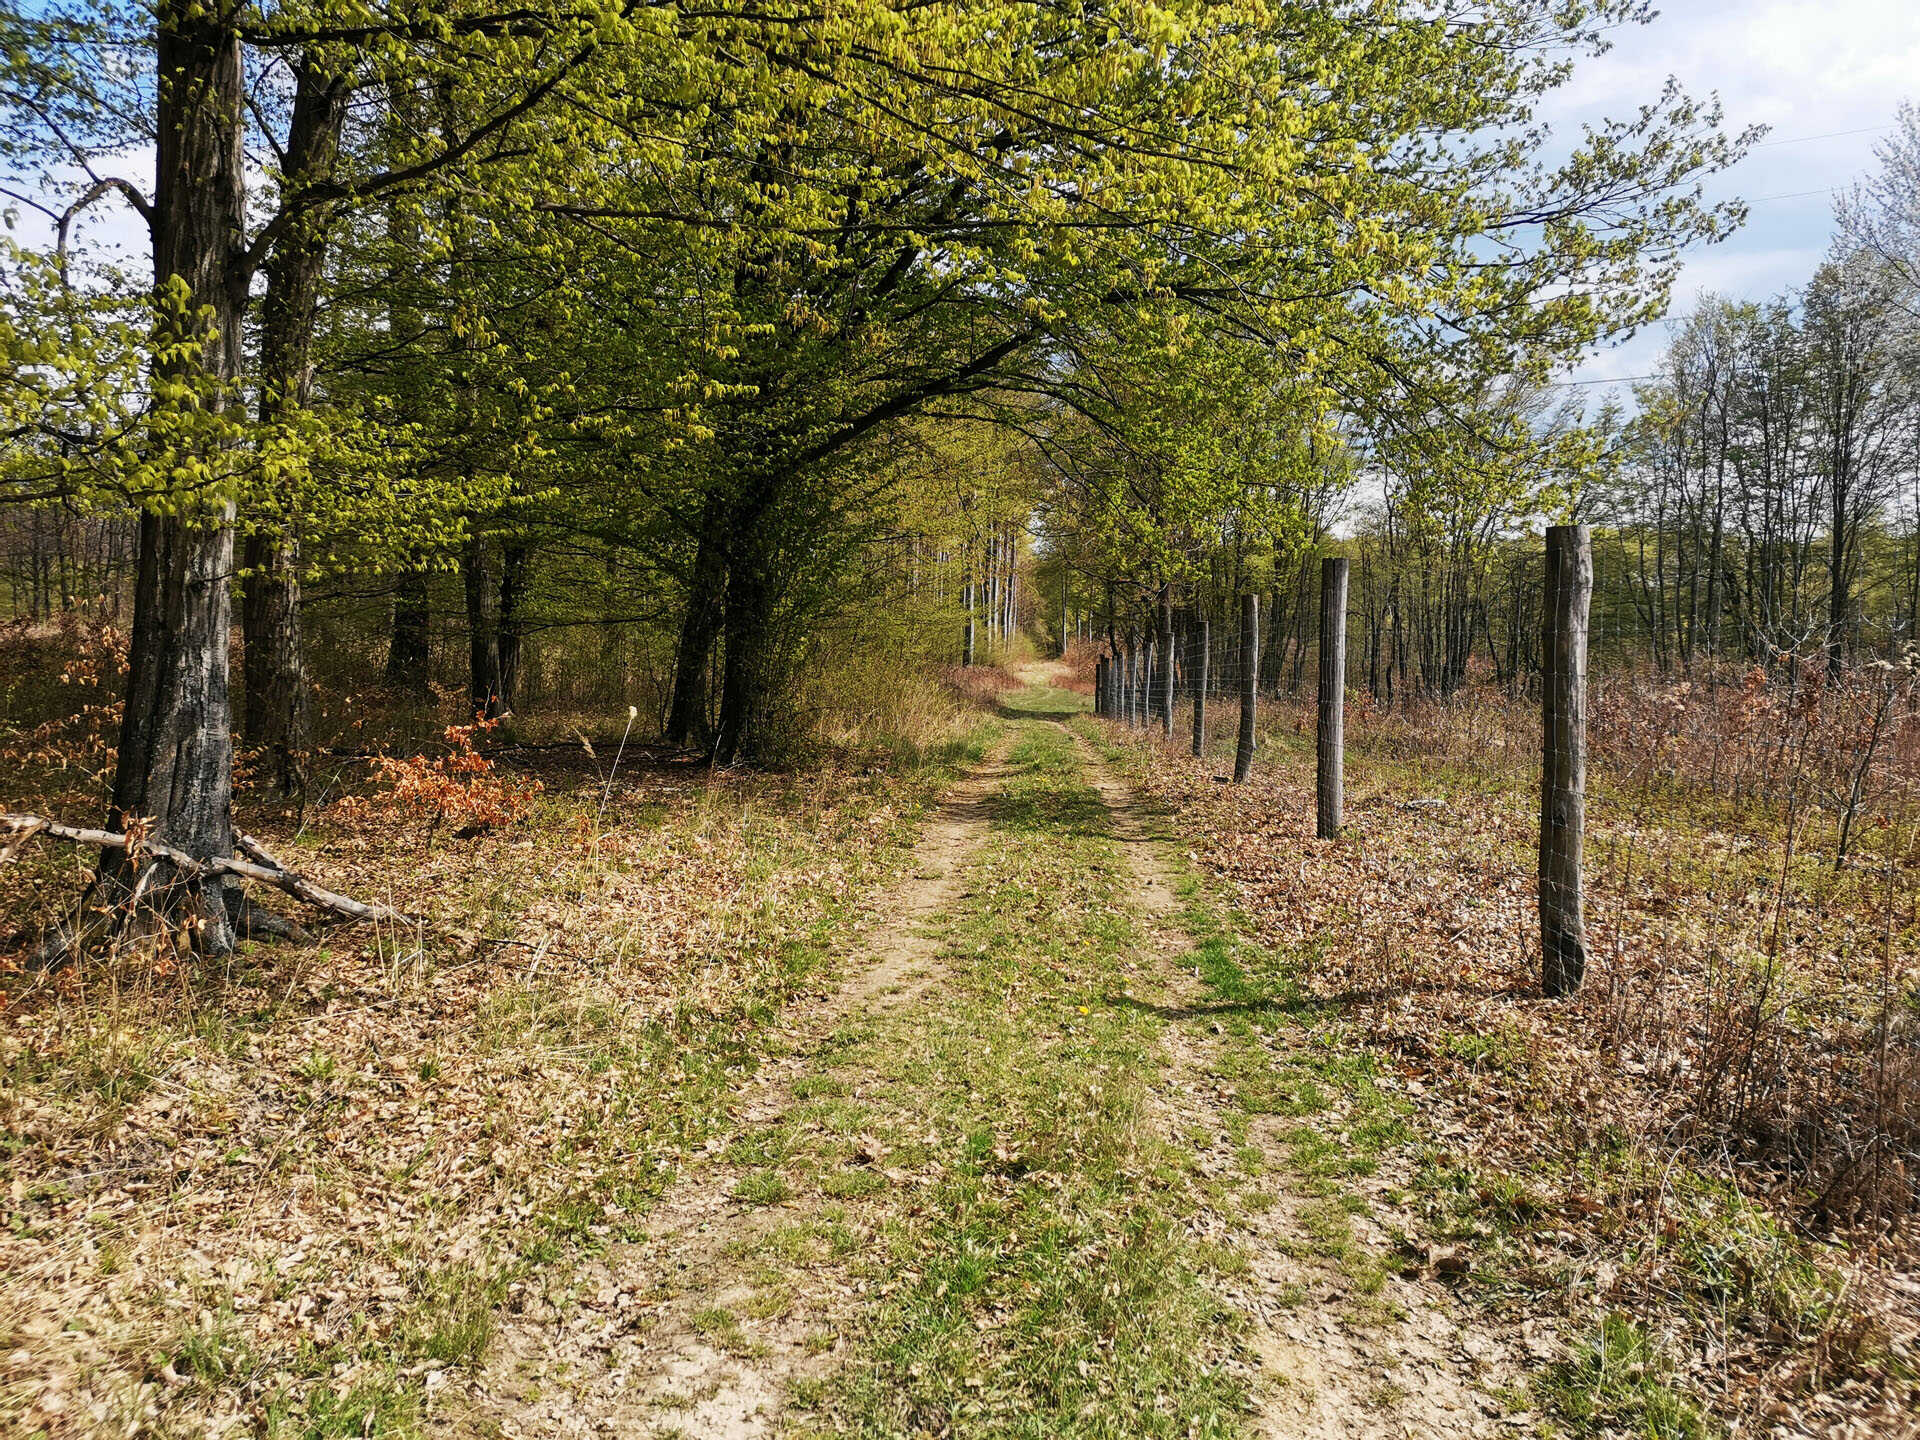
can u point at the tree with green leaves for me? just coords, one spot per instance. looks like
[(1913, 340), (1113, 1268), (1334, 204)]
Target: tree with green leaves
[(677, 279)]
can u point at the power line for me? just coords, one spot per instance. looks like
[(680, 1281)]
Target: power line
[(1793, 194), (1830, 135), (1603, 380)]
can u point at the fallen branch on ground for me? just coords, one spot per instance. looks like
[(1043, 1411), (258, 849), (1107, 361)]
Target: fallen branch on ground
[(17, 830)]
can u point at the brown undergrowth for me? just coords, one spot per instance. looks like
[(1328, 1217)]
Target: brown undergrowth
[(286, 1193), (1706, 1161)]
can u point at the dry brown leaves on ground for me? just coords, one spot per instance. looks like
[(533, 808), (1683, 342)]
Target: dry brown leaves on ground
[(289, 1194), (1682, 1143)]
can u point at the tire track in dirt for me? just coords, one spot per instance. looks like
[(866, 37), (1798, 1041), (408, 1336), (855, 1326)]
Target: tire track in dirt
[(634, 1346), (1408, 1365)]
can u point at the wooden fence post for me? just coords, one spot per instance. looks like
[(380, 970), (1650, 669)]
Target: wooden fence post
[(1249, 682), (1166, 650), (1134, 681), (1333, 694), (1563, 769), (1151, 649), (1200, 691)]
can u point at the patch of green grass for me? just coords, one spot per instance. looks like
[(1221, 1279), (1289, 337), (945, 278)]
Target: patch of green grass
[(1502, 1049), (451, 1317), (762, 1187), (1617, 1383), (1052, 1286), (770, 1301), (851, 1184), (810, 1087), (1042, 700), (212, 1353), (721, 1328), (1308, 1077), (317, 1066), (370, 1408), (1744, 1265)]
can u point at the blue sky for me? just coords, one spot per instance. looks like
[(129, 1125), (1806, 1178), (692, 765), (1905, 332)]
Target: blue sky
[(1809, 69)]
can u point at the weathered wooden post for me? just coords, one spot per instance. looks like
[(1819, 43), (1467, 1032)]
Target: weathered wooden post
[(1249, 682), (1333, 694), (1166, 649), (1099, 686), (1563, 769), (1146, 678), (1199, 678)]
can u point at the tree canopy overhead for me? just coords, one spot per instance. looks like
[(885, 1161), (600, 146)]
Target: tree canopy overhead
[(634, 301)]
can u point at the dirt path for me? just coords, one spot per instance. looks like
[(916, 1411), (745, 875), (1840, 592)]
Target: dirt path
[(739, 1313), (1348, 1345), (682, 1335)]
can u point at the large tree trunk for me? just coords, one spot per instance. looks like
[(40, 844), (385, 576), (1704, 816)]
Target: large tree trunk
[(706, 589), (485, 693), (515, 562), (1201, 679), (409, 655), (275, 660), (748, 676), (174, 767)]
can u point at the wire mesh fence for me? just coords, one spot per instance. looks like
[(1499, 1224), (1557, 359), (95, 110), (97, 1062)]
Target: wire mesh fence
[(1718, 854)]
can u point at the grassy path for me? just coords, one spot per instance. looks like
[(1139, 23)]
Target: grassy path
[(1048, 1165)]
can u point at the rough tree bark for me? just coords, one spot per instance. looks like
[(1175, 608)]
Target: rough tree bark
[(699, 627), (273, 662), (274, 658), (1149, 666), (515, 560), (409, 655), (744, 698), (485, 695), (1563, 771), (174, 767)]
